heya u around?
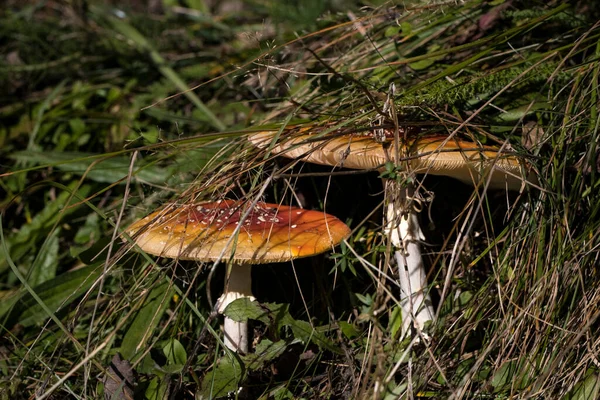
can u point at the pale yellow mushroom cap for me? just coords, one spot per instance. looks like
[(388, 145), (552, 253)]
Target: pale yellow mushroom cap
[(427, 154)]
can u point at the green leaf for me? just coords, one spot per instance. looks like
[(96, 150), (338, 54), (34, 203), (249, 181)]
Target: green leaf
[(77, 126), (429, 61), (151, 134), (463, 369), (589, 388), (175, 352), (464, 298), (241, 310), (265, 351), (365, 299), (146, 320), (392, 31), (108, 170), (56, 293), (406, 28), (172, 369), (521, 112), (504, 375), (157, 389), (304, 331), (517, 374), (422, 64), (223, 379), (46, 263), (279, 393), (395, 322), (348, 330), (395, 391), (147, 365), (278, 315), (198, 5), (86, 235)]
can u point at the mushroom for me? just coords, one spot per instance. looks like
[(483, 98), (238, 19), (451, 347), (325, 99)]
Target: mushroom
[(469, 162), (267, 233)]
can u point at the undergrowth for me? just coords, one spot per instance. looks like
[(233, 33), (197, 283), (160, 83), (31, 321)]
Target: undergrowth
[(108, 114)]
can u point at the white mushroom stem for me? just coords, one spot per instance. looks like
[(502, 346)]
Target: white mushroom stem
[(237, 285), (405, 234)]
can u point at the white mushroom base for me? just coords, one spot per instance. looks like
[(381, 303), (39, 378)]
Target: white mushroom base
[(238, 285), (405, 235)]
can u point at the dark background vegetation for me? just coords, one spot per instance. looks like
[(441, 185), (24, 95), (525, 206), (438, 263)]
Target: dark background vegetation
[(85, 89)]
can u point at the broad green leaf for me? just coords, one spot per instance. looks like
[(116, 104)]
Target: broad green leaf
[(242, 310), (304, 331), (518, 373), (277, 315), (148, 366), (175, 352), (348, 329), (406, 28), (223, 379), (146, 320), (46, 263), (395, 391), (589, 388), (157, 389), (518, 113), (395, 322), (505, 375), (56, 293), (279, 393), (422, 64), (151, 134), (464, 298), (365, 299), (265, 351), (108, 170), (392, 31), (198, 5), (77, 126), (86, 235), (90, 231), (172, 369)]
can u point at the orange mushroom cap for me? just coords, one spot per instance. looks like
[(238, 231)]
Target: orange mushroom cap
[(423, 154), (270, 233)]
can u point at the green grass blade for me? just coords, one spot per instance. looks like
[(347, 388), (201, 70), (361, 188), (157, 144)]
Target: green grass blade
[(146, 320)]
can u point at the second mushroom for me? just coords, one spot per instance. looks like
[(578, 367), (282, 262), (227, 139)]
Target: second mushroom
[(435, 154)]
